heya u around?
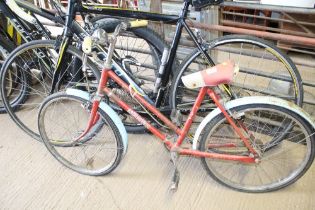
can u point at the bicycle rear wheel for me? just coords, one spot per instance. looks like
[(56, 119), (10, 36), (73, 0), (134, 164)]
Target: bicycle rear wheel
[(26, 78), (282, 161), (63, 118), (264, 70)]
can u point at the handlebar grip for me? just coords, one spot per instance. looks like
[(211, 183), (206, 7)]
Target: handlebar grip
[(138, 23)]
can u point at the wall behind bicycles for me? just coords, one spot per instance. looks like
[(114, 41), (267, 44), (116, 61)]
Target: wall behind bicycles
[(276, 22)]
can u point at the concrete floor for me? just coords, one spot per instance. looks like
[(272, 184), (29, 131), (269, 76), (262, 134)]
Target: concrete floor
[(30, 178)]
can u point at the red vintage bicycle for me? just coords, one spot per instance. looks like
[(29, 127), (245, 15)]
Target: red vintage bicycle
[(251, 144)]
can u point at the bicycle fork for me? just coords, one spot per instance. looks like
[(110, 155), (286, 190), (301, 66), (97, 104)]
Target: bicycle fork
[(87, 49)]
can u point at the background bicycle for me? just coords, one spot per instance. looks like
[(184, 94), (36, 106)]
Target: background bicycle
[(37, 68)]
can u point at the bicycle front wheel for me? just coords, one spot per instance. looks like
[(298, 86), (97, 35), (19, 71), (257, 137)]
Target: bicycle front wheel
[(26, 78), (282, 160), (62, 119), (264, 70)]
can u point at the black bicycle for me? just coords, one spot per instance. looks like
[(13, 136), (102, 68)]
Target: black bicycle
[(26, 72), (264, 69)]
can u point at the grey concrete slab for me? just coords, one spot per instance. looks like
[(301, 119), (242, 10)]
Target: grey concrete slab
[(30, 178)]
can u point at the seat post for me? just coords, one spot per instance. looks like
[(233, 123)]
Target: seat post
[(185, 8)]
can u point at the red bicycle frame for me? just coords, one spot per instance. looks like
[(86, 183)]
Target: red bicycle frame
[(109, 74)]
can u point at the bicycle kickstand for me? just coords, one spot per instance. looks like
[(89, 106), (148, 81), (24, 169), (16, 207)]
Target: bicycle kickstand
[(175, 178)]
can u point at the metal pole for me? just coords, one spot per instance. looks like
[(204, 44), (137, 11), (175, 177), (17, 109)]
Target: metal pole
[(268, 35), (269, 7)]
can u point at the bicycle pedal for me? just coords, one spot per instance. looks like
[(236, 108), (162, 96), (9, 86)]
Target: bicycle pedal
[(173, 187), (175, 181)]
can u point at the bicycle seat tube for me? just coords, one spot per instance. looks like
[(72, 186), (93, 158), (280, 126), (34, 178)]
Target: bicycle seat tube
[(173, 49)]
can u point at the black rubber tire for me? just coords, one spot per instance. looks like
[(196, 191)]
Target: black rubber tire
[(6, 47), (291, 68), (23, 96), (64, 161), (109, 25), (150, 36), (12, 107), (220, 119)]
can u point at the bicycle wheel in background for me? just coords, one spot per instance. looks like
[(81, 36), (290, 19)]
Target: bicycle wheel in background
[(26, 78), (281, 163), (63, 118), (139, 51), (6, 46), (264, 70)]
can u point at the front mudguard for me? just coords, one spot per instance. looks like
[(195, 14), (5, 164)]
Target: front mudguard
[(252, 100), (108, 110)]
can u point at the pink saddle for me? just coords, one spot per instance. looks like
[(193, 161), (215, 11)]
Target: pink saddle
[(222, 73)]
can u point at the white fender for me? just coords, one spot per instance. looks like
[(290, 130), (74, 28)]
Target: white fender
[(252, 100), (108, 110)]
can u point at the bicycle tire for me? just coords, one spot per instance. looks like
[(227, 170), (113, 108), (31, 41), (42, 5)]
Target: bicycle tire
[(285, 73), (282, 163), (14, 103), (62, 118), (6, 46)]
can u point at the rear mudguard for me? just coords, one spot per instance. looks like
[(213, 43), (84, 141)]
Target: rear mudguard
[(108, 110), (252, 100)]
